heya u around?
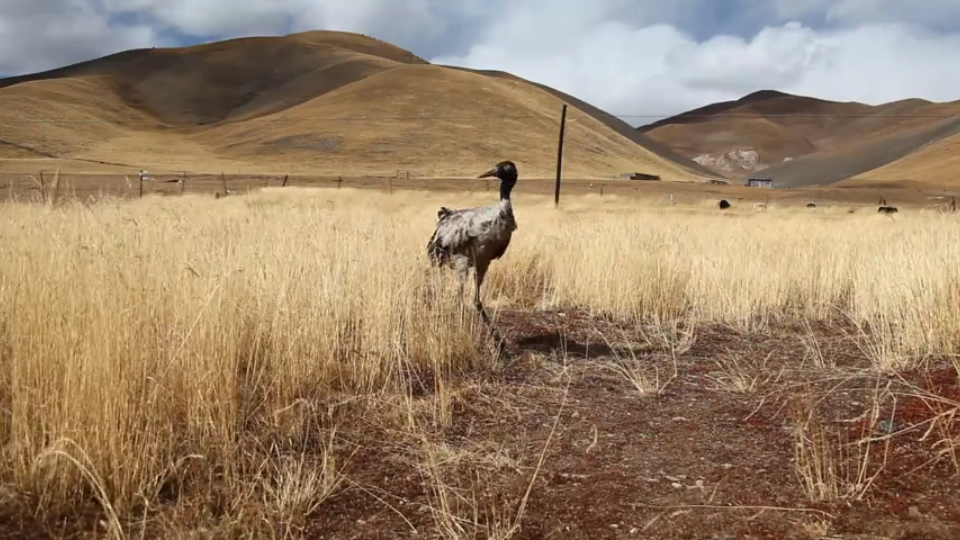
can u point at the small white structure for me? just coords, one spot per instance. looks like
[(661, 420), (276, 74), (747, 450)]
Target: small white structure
[(760, 182)]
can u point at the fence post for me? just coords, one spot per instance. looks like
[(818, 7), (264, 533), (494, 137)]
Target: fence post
[(563, 127), (43, 189), (284, 181)]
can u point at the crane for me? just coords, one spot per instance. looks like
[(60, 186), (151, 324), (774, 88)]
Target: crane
[(474, 237)]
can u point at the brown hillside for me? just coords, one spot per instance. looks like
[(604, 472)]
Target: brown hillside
[(937, 163), (315, 102), (764, 128), (801, 141), (830, 167)]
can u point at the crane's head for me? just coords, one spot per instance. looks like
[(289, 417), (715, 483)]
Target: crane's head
[(506, 171)]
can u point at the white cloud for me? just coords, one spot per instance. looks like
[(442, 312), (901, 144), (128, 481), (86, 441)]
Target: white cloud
[(44, 34), (209, 17), (625, 56), (657, 70), (934, 13)]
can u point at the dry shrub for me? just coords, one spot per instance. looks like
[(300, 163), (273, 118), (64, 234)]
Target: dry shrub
[(835, 465)]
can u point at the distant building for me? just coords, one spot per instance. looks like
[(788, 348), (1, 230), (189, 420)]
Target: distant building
[(760, 182), (640, 176)]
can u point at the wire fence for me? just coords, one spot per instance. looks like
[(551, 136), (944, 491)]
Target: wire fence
[(328, 137), (43, 185), (48, 188)]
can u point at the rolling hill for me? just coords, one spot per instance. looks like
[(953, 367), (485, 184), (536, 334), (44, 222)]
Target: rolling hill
[(803, 141), (311, 103)]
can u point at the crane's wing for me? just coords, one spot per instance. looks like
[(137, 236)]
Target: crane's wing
[(456, 230)]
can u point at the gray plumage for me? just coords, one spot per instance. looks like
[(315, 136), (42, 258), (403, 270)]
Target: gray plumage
[(474, 237)]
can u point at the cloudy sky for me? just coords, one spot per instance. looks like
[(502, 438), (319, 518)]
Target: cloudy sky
[(630, 57)]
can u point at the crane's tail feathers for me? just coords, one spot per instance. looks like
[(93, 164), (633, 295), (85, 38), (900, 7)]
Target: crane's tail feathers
[(438, 255)]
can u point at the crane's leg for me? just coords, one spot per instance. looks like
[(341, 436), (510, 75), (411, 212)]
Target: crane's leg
[(462, 270), (481, 272)]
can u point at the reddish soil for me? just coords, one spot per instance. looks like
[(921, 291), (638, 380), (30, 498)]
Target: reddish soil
[(697, 461), (694, 462)]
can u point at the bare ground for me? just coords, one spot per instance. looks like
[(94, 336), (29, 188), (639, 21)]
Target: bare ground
[(709, 456)]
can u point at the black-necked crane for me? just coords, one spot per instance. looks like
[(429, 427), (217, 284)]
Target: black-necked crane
[(474, 237)]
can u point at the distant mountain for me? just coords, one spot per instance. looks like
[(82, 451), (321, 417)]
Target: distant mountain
[(314, 102), (802, 141)]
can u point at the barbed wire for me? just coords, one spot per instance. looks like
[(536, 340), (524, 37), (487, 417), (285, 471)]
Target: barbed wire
[(501, 117)]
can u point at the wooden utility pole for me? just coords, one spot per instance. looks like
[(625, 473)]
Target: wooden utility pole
[(563, 127)]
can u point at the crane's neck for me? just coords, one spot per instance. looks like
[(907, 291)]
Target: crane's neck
[(506, 186)]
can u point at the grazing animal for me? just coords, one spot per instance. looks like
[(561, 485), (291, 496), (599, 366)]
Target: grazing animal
[(724, 204), (474, 237), (887, 210)]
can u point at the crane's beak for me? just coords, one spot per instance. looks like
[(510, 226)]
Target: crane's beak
[(488, 174)]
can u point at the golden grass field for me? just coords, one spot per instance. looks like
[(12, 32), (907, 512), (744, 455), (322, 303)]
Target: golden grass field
[(194, 368)]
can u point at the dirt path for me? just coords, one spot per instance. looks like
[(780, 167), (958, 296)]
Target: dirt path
[(708, 458)]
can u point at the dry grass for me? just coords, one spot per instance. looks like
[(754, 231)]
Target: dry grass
[(739, 375), (835, 465), (162, 349)]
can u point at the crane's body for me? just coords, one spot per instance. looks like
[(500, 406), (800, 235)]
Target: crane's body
[(474, 237)]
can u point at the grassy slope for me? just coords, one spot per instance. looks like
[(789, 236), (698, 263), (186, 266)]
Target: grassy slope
[(936, 162), (316, 102)]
